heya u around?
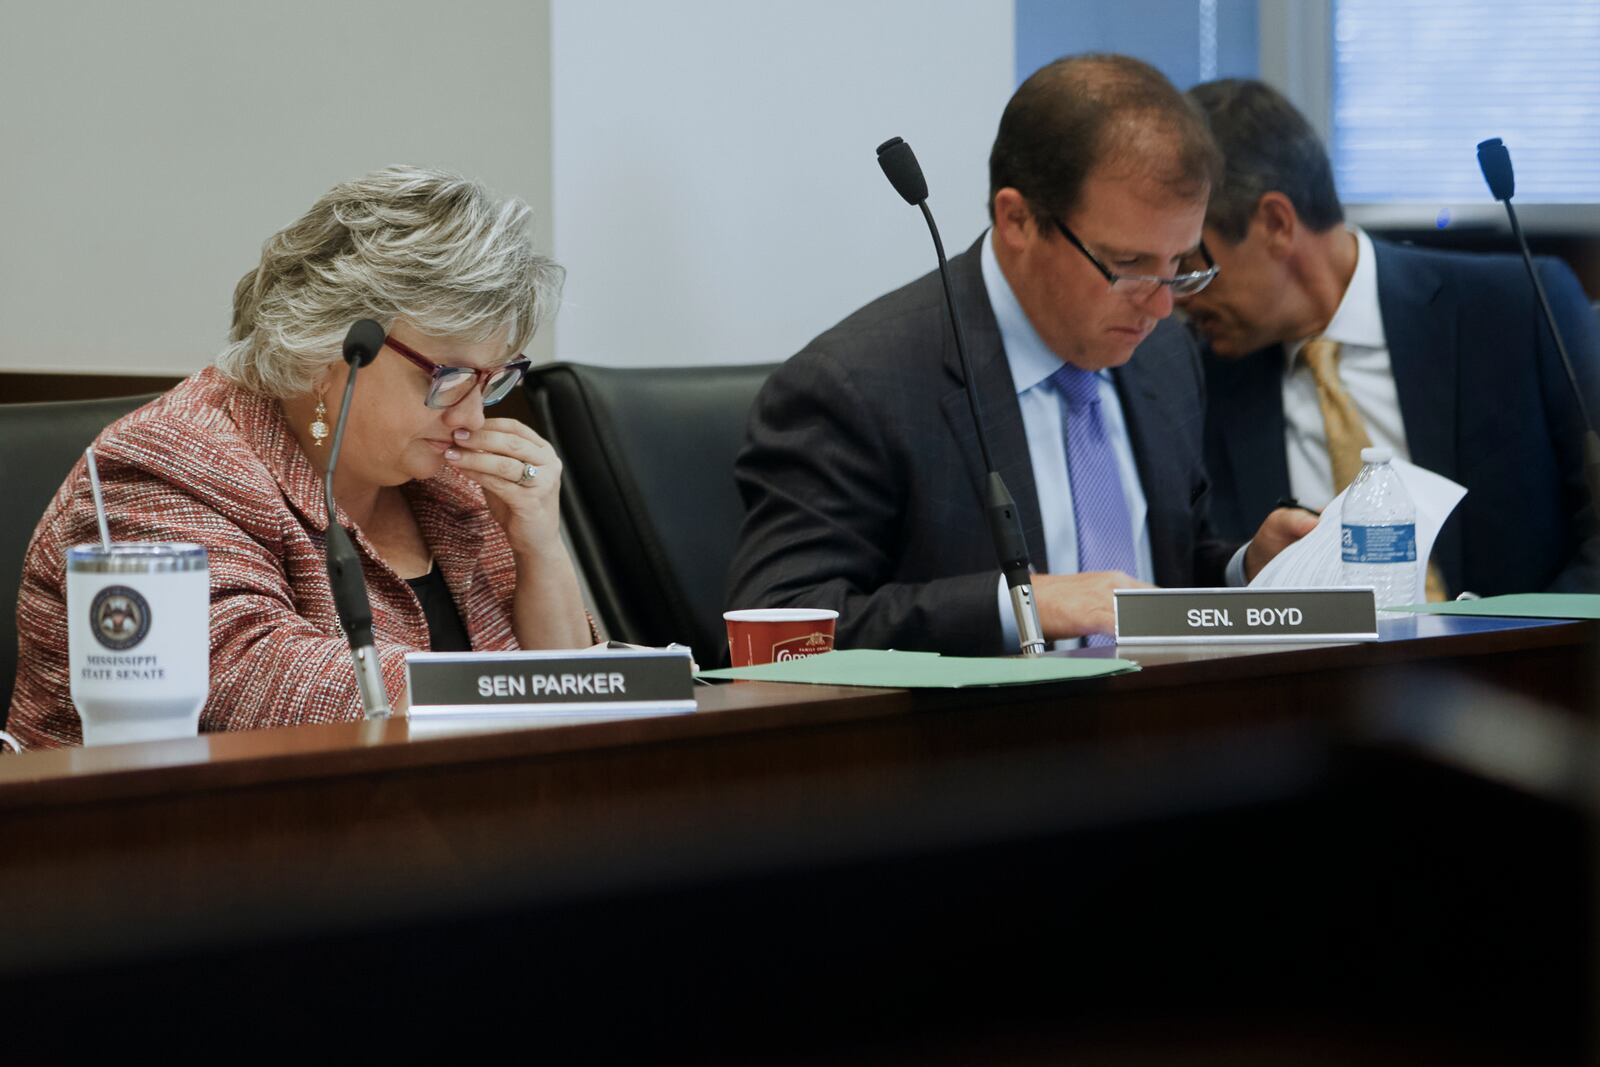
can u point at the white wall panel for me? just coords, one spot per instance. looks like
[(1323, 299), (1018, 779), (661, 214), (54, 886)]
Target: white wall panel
[(149, 149), (716, 194)]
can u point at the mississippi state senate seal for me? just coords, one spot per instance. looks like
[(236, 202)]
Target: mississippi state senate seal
[(119, 617)]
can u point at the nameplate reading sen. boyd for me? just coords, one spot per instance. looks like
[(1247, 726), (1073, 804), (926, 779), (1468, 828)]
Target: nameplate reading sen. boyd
[(1211, 616), (566, 682)]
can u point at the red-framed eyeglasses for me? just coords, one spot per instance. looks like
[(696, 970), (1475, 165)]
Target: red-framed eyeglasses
[(451, 385)]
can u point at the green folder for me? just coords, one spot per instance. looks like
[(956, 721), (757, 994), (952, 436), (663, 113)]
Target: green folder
[(1519, 606), (922, 670)]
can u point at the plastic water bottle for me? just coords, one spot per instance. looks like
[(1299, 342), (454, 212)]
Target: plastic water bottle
[(1379, 539)]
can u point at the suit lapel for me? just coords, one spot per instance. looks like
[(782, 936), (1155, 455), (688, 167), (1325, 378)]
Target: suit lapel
[(1156, 457), (1247, 405), (1008, 441), (1419, 326)]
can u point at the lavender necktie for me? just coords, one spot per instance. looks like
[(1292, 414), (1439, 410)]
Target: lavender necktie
[(1099, 506)]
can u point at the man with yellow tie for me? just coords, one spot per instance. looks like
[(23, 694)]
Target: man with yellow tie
[(1323, 341)]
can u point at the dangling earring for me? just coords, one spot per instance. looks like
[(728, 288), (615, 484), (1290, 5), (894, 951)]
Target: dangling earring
[(319, 422)]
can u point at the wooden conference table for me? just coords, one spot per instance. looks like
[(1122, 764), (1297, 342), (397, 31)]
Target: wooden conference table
[(242, 791), (115, 855)]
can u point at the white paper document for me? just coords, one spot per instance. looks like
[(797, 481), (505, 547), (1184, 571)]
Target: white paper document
[(1315, 562)]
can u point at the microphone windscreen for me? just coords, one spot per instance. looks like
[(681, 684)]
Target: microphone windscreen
[(361, 344), (900, 166), (1495, 162)]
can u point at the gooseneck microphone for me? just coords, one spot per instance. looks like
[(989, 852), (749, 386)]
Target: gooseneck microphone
[(900, 166), (1495, 162), (361, 345)]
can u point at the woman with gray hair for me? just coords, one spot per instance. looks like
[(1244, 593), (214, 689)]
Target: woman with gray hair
[(455, 515)]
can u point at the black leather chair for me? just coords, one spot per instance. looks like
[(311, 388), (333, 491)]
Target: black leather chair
[(648, 493), (39, 443)]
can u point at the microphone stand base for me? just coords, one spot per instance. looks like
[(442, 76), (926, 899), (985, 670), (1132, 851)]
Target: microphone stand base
[(374, 698), (1029, 633)]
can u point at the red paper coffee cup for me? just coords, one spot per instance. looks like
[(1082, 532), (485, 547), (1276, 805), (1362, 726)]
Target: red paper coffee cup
[(772, 635)]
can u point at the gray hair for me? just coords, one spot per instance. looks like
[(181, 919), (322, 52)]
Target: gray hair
[(432, 248), (1269, 147)]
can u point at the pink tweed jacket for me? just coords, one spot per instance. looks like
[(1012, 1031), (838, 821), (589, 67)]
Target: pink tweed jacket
[(212, 464)]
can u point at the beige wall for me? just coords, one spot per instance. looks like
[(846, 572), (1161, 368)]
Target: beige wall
[(710, 166), (149, 148), (717, 193)]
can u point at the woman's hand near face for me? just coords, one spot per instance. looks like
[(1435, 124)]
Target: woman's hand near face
[(494, 456), (548, 610)]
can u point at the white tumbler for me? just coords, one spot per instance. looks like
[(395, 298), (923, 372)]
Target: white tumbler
[(138, 639)]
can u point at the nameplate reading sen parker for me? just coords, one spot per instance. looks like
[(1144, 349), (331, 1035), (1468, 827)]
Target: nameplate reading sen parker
[(1214, 616), (559, 682)]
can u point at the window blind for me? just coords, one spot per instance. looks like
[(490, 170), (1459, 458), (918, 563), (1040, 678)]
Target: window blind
[(1418, 83)]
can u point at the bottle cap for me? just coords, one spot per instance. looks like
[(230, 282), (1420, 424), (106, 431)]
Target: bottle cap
[(1376, 455)]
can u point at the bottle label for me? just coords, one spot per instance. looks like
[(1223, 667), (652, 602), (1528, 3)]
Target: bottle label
[(1379, 544)]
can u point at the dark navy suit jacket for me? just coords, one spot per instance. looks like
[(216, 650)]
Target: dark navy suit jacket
[(1485, 402), (862, 477)]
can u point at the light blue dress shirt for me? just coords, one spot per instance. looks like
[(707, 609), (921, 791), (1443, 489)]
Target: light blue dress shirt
[(1032, 363)]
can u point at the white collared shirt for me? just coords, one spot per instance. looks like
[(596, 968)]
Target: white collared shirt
[(1032, 362), (1364, 370)]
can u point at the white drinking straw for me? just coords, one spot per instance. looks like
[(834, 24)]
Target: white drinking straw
[(99, 501)]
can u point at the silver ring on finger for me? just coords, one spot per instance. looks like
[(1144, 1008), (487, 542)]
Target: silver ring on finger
[(530, 474)]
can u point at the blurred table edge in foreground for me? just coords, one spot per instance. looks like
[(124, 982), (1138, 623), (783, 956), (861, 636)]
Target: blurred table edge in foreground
[(1211, 800), (1179, 687)]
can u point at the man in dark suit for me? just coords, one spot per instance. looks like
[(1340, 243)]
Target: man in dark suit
[(1443, 357), (862, 473)]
